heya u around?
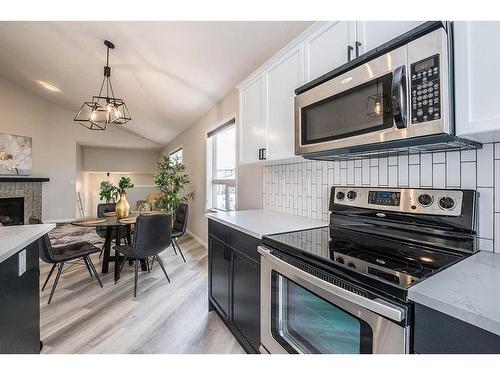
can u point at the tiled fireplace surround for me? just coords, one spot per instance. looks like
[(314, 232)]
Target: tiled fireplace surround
[(303, 187), (32, 193)]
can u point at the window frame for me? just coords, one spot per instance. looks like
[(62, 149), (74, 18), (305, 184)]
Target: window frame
[(210, 181)]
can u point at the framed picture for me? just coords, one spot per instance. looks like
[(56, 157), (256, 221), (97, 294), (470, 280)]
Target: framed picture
[(15, 155)]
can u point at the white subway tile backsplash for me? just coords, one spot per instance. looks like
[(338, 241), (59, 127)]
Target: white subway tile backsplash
[(303, 188), (485, 166)]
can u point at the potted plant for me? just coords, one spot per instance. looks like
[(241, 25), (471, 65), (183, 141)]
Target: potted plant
[(122, 207), (108, 192), (171, 182)]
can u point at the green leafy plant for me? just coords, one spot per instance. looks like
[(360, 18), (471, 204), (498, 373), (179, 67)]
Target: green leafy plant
[(171, 182), (124, 184), (108, 192)]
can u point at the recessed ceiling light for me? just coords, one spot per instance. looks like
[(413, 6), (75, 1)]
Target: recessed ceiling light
[(49, 87)]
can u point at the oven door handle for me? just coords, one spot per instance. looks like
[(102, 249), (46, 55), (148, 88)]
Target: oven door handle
[(378, 306), (399, 96)]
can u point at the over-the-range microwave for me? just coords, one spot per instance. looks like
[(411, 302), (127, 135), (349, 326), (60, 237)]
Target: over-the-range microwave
[(395, 98)]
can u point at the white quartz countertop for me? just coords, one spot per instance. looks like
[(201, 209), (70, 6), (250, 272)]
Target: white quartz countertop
[(468, 290), (258, 223), (16, 237)]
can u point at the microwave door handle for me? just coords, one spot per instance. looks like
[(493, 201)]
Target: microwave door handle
[(399, 96)]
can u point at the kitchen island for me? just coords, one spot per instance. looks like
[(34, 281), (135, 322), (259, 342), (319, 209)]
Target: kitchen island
[(19, 288)]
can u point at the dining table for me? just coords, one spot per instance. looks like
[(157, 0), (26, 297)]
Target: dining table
[(121, 228)]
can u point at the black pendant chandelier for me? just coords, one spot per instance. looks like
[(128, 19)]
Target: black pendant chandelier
[(104, 108)]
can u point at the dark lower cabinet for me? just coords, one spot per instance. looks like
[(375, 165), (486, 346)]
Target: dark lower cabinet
[(219, 271), (438, 333), (234, 282), (246, 298), (20, 305)]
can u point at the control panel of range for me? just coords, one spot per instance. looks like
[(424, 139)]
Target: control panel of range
[(417, 201), (425, 90)]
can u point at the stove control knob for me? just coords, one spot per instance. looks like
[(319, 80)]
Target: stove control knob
[(351, 195), (340, 195), (352, 265), (446, 203), (340, 260), (425, 200)]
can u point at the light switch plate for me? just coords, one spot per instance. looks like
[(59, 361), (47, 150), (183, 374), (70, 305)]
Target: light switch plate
[(22, 262)]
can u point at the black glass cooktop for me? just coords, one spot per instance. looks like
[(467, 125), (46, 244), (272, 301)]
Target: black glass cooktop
[(385, 264)]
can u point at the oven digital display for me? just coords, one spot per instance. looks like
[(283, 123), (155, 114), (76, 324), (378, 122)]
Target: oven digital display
[(384, 198), (424, 65)]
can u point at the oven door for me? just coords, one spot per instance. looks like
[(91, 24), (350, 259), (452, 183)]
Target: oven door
[(301, 313)]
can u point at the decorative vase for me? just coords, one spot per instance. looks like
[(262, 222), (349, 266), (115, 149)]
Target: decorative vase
[(122, 208)]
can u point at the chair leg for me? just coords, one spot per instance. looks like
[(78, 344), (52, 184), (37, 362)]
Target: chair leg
[(147, 265), (48, 277), (180, 250), (59, 271), (162, 267), (120, 269), (88, 267), (91, 265), (173, 245), (136, 276), (151, 264)]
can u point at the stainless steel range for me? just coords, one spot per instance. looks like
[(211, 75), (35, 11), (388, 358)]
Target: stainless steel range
[(343, 288)]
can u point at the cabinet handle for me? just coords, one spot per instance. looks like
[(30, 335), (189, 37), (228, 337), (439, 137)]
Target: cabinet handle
[(349, 52), (264, 153), (358, 44), (260, 154)]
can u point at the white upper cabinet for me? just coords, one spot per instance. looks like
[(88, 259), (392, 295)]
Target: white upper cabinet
[(283, 77), (372, 34), (327, 48), (477, 80), (252, 107)]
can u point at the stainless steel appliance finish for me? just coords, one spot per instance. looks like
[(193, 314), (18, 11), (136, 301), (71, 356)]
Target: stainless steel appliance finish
[(343, 288), (416, 201), (387, 336), (387, 102)]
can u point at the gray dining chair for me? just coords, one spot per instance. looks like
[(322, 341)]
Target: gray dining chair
[(152, 236)]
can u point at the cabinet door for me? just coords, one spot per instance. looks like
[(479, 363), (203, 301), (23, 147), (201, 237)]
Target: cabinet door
[(372, 34), (283, 77), (219, 275), (326, 49), (246, 298), (477, 79), (251, 120)]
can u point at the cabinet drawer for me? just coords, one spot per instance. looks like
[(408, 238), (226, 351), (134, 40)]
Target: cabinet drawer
[(245, 243), (438, 333)]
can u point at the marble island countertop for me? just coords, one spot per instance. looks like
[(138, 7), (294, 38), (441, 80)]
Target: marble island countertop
[(258, 223), (469, 291), (17, 237)]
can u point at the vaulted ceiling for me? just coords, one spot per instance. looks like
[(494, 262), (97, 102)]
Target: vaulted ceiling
[(169, 73)]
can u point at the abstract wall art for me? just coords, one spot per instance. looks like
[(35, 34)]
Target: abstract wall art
[(15, 155)]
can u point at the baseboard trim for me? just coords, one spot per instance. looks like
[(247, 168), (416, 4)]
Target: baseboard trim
[(197, 239)]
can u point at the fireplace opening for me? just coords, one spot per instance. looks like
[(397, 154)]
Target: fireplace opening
[(11, 211)]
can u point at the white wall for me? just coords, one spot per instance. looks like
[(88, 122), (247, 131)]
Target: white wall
[(108, 159), (193, 142), (55, 137)]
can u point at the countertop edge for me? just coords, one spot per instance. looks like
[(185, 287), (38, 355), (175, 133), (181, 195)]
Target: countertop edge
[(26, 242), (232, 225), (474, 319)]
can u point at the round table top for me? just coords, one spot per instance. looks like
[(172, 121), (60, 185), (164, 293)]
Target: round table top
[(113, 221)]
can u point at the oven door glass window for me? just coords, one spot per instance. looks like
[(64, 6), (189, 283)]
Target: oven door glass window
[(362, 109), (304, 322)]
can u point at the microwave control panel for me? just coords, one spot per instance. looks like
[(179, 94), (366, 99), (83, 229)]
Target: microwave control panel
[(425, 90)]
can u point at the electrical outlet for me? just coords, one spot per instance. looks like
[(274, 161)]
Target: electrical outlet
[(22, 262)]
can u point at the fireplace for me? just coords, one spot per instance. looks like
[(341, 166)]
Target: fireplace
[(12, 211)]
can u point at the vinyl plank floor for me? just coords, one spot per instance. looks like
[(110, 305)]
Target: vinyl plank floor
[(163, 318)]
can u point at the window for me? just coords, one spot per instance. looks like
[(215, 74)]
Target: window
[(176, 155), (221, 167)]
